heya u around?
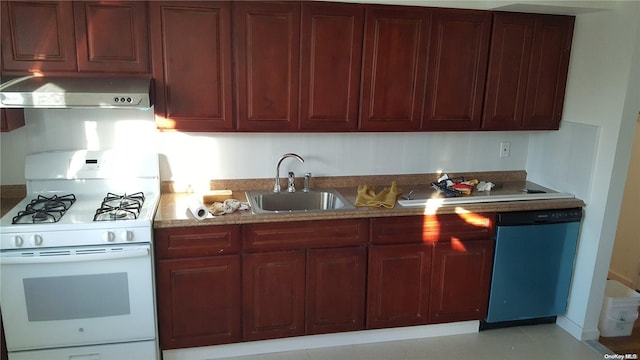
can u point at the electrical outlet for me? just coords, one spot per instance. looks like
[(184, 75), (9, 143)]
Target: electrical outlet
[(505, 149)]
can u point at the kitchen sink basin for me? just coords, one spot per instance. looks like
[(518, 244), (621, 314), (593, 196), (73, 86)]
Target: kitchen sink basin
[(284, 202)]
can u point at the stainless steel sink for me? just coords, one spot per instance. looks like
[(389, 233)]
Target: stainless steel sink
[(284, 202)]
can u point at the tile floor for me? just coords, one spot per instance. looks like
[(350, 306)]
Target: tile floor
[(537, 342)]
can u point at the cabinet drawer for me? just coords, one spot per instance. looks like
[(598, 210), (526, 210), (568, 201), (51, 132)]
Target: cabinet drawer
[(197, 241), (304, 234), (432, 228)]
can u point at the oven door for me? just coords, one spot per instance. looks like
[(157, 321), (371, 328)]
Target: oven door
[(77, 296)]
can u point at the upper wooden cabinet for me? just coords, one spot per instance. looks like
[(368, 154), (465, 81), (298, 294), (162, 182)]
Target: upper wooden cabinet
[(267, 62), (37, 36), (528, 65), (297, 65), (112, 36), (330, 61), (456, 70), (286, 66), (394, 64), (63, 36), (191, 47)]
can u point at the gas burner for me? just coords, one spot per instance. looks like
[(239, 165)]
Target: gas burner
[(120, 207), (44, 209)]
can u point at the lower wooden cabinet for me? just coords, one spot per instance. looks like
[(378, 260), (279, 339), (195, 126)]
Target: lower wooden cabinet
[(198, 291), (273, 295), (399, 285), (3, 343), (233, 283), (305, 277), (336, 283), (460, 281), (429, 269), (199, 301), (292, 293)]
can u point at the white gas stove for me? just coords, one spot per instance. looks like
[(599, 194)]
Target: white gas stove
[(76, 257), (79, 198)]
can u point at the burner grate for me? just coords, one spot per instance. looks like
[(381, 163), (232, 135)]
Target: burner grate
[(119, 207), (44, 209)]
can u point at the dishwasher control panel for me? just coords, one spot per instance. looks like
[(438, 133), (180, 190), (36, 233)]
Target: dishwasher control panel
[(552, 216)]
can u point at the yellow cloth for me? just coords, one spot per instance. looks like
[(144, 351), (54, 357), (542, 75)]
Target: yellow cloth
[(386, 198)]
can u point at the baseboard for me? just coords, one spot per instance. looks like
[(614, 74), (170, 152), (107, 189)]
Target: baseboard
[(577, 331), (321, 341), (630, 283)]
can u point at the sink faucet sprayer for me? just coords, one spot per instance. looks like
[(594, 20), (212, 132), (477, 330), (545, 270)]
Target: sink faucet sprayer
[(276, 187)]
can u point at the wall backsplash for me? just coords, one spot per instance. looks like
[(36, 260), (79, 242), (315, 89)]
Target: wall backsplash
[(193, 159)]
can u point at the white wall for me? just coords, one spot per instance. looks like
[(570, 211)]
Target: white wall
[(589, 156), (603, 99), (193, 159), (625, 260)]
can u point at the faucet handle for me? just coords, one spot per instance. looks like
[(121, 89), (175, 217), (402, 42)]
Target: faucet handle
[(307, 177), (292, 180)]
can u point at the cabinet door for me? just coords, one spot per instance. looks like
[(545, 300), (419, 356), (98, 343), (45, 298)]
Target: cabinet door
[(273, 295), (508, 69), (398, 285), (330, 66), (112, 36), (458, 55), (199, 301), (11, 119), (548, 70), (37, 36), (267, 58), (527, 73), (335, 290), (460, 282), (395, 47), (191, 47)]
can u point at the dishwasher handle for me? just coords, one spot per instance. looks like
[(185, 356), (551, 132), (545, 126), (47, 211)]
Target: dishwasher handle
[(539, 217)]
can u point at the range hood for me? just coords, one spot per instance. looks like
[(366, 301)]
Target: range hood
[(76, 92)]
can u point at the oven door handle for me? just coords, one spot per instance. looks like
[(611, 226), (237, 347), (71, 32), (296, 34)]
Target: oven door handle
[(74, 256)]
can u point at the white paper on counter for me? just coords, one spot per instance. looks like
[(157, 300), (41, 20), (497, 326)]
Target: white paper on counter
[(196, 208)]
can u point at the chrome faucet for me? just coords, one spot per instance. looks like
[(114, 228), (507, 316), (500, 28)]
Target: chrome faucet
[(276, 186)]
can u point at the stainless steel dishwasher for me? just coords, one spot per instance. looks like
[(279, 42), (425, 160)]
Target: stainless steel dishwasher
[(533, 263)]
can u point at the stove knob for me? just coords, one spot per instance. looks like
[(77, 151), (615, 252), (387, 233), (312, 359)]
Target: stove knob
[(37, 240), (126, 235), (18, 241), (109, 236)]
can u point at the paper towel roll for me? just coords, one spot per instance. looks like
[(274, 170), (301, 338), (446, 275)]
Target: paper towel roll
[(196, 208)]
